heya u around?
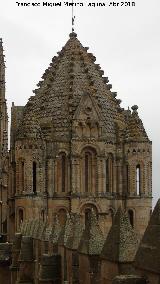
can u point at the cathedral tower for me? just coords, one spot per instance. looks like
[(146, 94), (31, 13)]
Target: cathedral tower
[(75, 149)]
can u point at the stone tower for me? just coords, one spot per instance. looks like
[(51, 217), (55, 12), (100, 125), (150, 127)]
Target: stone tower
[(74, 149), (3, 144)]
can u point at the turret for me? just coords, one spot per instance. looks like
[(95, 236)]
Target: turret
[(3, 106), (3, 143)]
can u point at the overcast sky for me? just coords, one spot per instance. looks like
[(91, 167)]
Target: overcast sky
[(125, 41)]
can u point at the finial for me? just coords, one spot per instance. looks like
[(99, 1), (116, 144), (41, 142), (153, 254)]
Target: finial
[(134, 108), (73, 34)]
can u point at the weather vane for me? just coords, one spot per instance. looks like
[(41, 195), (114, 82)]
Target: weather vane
[(73, 17)]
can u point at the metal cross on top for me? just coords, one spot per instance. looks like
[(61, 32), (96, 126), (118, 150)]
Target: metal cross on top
[(73, 17)]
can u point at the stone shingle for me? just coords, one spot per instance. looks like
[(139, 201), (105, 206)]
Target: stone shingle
[(121, 243), (75, 233), (68, 77), (92, 239)]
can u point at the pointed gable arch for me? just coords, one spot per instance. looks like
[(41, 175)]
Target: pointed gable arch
[(87, 120), (87, 108)]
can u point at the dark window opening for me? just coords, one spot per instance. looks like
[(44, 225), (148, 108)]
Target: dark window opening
[(87, 217), (127, 178), (131, 217), (5, 227), (89, 177), (22, 176), (42, 215), (20, 216), (63, 173), (107, 176), (34, 177), (86, 172)]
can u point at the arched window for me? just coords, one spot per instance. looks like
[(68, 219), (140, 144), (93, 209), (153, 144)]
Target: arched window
[(131, 217), (109, 174), (42, 215), (62, 172), (20, 217), (34, 175), (62, 216), (87, 170), (127, 178), (87, 217), (22, 172), (138, 180), (89, 173)]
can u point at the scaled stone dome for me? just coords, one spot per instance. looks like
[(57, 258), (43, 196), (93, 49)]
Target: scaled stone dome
[(71, 74)]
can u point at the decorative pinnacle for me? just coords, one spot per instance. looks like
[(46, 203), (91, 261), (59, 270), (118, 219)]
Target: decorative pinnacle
[(134, 108)]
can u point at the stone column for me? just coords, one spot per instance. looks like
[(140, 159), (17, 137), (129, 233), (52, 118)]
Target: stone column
[(55, 176), (75, 268), (17, 177), (101, 174), (145, 179), (50, 269), (50, 176), (132, 180), (95, 269), (114, 185), (26, 259), (149, 179), (119, 176), (75, 186), (15, 255)]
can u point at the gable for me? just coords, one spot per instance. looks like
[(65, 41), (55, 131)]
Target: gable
[(87, 109), (87, 120)]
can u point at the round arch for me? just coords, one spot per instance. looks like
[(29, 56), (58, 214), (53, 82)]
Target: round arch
[(94, 148), (20, 213), (61, 151), (61, 212), (89, 205)]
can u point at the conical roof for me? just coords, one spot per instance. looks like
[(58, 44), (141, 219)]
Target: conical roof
[(121, 243), (29, 128), (148, 254), (56, 231), (92, 239), (135, 131), (76, 231), (70, 75)]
